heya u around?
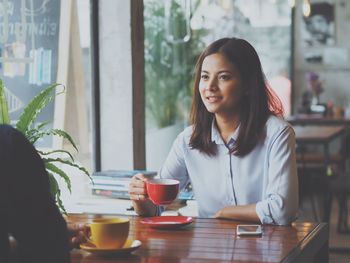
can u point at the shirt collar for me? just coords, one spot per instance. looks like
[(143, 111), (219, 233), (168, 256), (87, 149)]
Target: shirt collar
[(215, 134)]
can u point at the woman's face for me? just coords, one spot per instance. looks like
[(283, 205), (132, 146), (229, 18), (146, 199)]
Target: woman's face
[(220, 85)]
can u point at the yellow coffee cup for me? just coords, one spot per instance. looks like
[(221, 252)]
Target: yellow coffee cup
[(108, 233)]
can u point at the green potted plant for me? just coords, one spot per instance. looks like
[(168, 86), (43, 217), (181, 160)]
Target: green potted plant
[(33, 132)]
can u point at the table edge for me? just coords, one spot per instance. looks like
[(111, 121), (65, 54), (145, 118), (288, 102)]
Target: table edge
[(310, 245)]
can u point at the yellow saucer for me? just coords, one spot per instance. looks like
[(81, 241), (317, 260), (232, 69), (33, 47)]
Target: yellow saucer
[(129, 246)]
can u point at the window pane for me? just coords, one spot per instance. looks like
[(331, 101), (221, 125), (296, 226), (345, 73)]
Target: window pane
[(170, 53), (30, 60)]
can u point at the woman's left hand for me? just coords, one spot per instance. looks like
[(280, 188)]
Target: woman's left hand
[(239, 212), (75, 235)]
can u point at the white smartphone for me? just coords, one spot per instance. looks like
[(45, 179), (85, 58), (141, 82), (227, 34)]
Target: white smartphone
[(249, 230)]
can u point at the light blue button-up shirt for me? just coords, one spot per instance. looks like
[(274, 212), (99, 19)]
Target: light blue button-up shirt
[(266, 176)]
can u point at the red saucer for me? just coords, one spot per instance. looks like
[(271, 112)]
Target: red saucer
[(167, 221)]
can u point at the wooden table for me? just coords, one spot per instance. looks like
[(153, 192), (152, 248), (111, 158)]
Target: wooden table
[(317, 119), (215, 240), (320, 135)]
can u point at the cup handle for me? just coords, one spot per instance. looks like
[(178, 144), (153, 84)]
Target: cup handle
[(87, 233)]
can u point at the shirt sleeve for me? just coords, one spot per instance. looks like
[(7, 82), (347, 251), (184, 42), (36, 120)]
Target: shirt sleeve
[(175, 166), (280, 203)]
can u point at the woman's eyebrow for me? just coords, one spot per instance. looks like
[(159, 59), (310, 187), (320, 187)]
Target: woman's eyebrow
[(219, 72), (225, 71)]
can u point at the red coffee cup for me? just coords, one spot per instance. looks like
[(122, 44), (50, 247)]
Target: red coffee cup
[(162, 191)]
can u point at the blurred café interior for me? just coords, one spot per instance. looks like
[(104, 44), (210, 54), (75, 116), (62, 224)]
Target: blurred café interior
[(127, 68)]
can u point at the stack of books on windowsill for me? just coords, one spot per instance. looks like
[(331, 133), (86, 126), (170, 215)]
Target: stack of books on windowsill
[(115, 183)]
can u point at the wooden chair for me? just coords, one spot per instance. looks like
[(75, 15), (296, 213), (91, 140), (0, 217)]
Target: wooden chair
[(315, 159), (336, 181), (340, 188)]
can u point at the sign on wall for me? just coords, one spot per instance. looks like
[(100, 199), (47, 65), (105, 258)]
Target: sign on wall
[(318, 27), (29, 52)]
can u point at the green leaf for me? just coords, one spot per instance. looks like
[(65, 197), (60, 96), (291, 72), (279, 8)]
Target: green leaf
[(34, 107), (65, 135), (60, 203), (4, 114), (56, 193), (57, 151), (41, 125), (53, 168), (33, 135), (53, 185), (50, 160)]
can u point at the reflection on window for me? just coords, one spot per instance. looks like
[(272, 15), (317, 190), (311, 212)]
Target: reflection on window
[(175, 33), (170, 52)]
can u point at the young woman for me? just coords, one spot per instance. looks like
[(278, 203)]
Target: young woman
[(238, 153)]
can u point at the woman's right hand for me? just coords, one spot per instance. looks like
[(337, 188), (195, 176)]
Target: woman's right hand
[(137, 188)]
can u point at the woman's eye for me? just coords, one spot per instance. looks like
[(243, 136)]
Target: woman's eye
[(204, 77), (224, 77)]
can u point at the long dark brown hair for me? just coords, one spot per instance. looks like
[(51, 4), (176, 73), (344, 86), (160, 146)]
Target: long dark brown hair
[(258, 101)]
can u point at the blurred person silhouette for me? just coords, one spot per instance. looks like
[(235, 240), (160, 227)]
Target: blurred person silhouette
[(28, 212)]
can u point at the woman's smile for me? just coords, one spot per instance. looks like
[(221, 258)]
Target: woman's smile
[(213, 98)]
